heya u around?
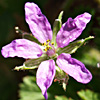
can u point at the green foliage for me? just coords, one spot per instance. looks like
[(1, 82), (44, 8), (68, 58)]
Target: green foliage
[(29, 90), (83, 94), (90, 57), (62, 98), (88, 95)]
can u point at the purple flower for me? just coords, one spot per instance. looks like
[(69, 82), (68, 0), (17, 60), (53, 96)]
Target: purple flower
[(41, 29)]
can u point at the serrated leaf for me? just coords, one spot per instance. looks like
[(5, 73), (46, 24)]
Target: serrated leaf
[(62, 98), (88, 95), (29, 89)]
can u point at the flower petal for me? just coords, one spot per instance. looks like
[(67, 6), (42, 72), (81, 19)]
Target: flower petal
[(38, 23), (45, 75), (74, 68), (72, 29), (22, 48)]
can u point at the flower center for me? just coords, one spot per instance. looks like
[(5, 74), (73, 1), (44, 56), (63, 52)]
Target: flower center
[(49, 48)]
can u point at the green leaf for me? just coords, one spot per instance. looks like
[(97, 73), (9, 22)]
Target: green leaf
[(72, 47), (56, 27), (88, 95), (29, 89), (62, 98)]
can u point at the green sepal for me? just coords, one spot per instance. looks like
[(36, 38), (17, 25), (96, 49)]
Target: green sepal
[(30, 37), (72, 47), (26, 35), (58, 23), (31, 63), (23, 67), (56, 27), (61, 77), (35, 62)]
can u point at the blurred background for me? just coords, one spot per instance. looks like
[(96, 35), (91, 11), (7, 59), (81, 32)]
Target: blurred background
[(21, 85)]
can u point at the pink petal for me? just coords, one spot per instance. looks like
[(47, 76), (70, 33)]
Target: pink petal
[(72, 29), (38, 23), (22, 48), (45, 75), (74, 68)]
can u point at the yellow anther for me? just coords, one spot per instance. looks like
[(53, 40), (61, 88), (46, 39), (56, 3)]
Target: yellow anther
[(48, 40), (52, 43), (48, 47), (44, 44), (45, 49)]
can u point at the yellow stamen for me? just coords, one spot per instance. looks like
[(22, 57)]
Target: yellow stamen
[(45, 49), (52, 43), (48, 40), (48, 47), (44, 44)]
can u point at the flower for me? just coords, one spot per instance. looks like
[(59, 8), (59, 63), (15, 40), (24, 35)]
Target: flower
[(41, 29)]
